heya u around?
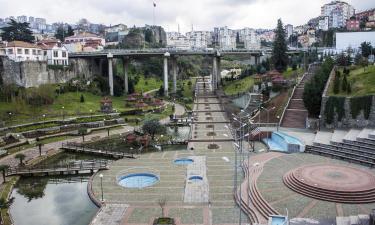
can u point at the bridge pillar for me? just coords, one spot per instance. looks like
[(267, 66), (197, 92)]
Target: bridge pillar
[(256, 59), (218, 70), (214, 73), (175, 73), (166, 56), (110, 73), (126, 77)]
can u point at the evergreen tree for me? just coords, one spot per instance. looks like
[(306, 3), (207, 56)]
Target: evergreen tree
[(336, 83), (17, 32), (344, 86), (82, 99), (279, 55), (366, 49)]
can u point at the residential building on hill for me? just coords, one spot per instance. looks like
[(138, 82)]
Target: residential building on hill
[(84, 41), (54, 52), (22, 51), (338, 12)]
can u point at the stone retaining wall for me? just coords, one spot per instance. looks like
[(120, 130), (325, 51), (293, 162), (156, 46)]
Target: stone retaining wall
[(33, 74), (347, 120)]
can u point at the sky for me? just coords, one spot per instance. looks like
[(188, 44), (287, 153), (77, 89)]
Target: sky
[(188, 14)]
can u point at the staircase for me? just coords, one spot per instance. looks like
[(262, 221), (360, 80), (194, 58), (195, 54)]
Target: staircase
[(295, 113), (355, 145)]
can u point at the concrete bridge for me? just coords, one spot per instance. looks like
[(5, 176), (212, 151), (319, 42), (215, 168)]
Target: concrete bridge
[(171, 55)]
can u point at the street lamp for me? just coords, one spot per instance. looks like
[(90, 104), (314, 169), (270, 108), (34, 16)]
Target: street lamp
[(63, 112), (320, 117), (278, 122), (101, 185), (44, 120)]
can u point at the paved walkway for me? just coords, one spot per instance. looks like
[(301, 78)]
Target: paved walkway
[(110, 214)]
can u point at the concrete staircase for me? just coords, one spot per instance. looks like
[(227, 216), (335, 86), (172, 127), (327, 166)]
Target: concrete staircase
[(355, 145), (295, 114)]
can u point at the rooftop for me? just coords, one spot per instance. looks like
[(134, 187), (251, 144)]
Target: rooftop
[(21, 44)]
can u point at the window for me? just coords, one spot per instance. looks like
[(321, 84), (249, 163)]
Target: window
[(55, 54), (39, 52), (64, 54), (19, 51), (27, 52), (10, 51), (34, 52), (45, 53)]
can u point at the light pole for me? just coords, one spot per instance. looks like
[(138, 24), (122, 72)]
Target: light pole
[(63, 112), (44, 120), (91, 115), (101, 185), (278, 122), (320, 117)]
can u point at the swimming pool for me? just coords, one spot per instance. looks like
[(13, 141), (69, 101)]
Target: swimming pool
[(182, 162), (278, 220), (280, 141), (138, 180), (196, 178)]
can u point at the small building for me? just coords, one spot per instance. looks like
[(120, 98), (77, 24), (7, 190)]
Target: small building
[(91, 42), (22, 51), (353, 24), (54, 52)]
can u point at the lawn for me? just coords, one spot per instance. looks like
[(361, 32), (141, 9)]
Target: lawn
[(362, 81), (290, 73), (149, 84), (238, 86)]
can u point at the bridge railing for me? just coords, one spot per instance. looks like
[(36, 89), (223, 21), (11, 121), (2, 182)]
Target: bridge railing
[(71, 166), (104, 151)]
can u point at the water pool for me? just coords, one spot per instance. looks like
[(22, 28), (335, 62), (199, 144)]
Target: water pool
[(182, 162), (278, 220), (138, 180), (196, 178), (280, 141)]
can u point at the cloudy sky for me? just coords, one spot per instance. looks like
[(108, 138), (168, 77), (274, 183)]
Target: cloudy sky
[(202, 14)]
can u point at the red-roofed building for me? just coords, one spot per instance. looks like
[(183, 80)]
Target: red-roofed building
[(54, 52), (22, 51)]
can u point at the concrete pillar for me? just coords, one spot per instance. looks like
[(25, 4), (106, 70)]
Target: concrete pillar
[(166, 56), (175, 71), (110, 73), (214, 73), (256, 57), (218, 70), (126, 77)]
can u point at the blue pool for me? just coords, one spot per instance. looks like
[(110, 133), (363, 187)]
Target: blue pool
[(195, 178), (183, 161), (280, 141), (278, 220), (138, 180)]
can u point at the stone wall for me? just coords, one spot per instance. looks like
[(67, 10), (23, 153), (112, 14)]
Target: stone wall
[(347, 120), (33, 74)]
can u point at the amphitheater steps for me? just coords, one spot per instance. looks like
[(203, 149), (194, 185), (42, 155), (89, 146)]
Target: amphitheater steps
[(323, 137), (326, 195), (295, 118)]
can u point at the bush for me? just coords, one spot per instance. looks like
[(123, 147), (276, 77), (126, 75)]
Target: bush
[(43, 95), (336, 83), (82, 99)]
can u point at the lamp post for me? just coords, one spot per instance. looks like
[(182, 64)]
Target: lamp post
[(319, 121), (278, 122), (91, 115), (44, 120), (268, 120), (101, 186), (10, 117), (63, 112)]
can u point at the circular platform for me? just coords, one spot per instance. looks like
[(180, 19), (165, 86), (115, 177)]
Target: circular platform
[(333, 183)]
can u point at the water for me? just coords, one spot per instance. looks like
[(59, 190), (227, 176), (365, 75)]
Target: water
[(283, 142), (277, 220), (196, 178), (48, 201), (53, 200), (138, 180), (183, 161)]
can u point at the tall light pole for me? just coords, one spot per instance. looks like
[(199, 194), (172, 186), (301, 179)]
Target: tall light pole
[(63, 112), (101, 185)]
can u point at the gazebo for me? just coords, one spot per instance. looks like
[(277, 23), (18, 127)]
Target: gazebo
[(130, 138)]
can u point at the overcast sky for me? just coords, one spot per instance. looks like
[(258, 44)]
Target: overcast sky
[(202, 14)]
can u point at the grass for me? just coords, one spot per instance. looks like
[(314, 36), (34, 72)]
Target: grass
[(362, 81), (238, 86), (145, 85), (5, 191), (290, 73)]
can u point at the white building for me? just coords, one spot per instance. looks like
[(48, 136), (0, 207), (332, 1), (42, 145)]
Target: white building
[(177, 40), (84, 37), (289, 30), (226, 38), (250, 38), (353, 40), (338, 13), (22, 51), (199, 39), (54, 52), (323, 23)]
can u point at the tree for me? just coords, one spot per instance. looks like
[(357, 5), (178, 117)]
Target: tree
[(82, 131), (362, 23), (153, 127), (344, 86), (3, 169), (17, 32), (4, 204), (82, 99), (21, 157), (336, 83), (161, 91), (366, 49), (279, 55)]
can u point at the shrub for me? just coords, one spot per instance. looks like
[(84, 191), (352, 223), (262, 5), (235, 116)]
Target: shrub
[(336, 82), (82, 99), (358, 104)]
